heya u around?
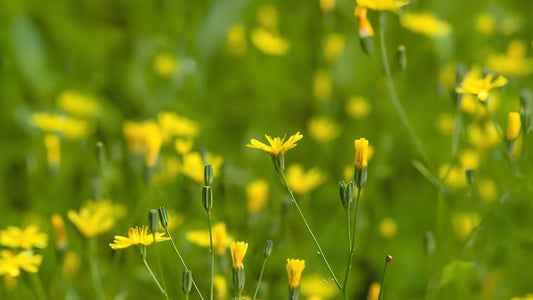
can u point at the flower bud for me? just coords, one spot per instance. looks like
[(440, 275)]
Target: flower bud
[(208, 175), (207, 198), (513, 126), (470, 175), (163, 217), (268, 248), (346, 190), (153, 220), (186, 281)]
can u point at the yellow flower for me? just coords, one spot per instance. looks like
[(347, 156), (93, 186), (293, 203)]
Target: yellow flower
[(76, 129), (388, 228), (11, 263), (221, 239), (327, 5), (183, 146), (316, 287), (137, 236), (97, 217), (391, 5), (277, 145), (513, 125), (322, 129), (238, 251), (456, 177), (485, 23), (269, 43), (153, 145), (333, 44), (488, 191), (361, 153), (60, 232), (476, 84), (464, 223), (365, 28), (357, 107), (172, 124), (483, 136), (514, 62), (221, 290), (15, 237), (193, 165), (53, 150), (165, 64), (294, 271), (76, 103), (425, 23), (47, 122), (236, 40), (373, 291), (304, 182), (322, 85), (256, 195)]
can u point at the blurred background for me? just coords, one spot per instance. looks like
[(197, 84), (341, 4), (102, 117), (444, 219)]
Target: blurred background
[(206, 77)]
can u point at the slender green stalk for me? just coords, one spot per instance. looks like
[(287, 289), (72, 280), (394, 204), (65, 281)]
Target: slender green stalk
[(95, 274), (143, 254), (349, 223), (160, 268), (352, 246), (310, 231), (212, 254), (38, 286), (260, 277), (240, 295), (394, 94), (381, 288)]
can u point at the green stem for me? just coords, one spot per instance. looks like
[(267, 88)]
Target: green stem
[(240, 295), (394, 94), (38, 286), (212, 254), (309, 230), (381, 288), (95, 274), (349, 223), (143, 253), (160, 268), (352, 246), (260, 277)]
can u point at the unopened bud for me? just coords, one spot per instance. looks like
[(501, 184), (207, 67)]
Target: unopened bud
[(470, 175), (186, 281), (163, 217), (239, 279), (389, 258), (153, 220), (207, 198), (208, 175), (401, 57), (346, 190), (268, 248)]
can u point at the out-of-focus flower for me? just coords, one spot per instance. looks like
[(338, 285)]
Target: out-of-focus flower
[(269, 43), (153, 145), (60, 232), (165, 64), (514, 62), (221, 239), (361, 153), (425, 23), (444, 124), (469, 159), (15, 237), (316, 287), (373, 291), (53, 150), (513, 125), (455, 176), (256, 195), (238, 251), (391, 5), (277, 145), (267, 17), (322, 129), (167, 173), (172, 125), (236, 40), (136, 134), (488, 191), (11, 263), (294, 271), (358, 107), (476, 83), (77, 104), (365, 28), (327, 5), (486, 24), (47, 122), (483, 136), (526, 297), (71, 264), (220, 287), (193, 165), (464, 223), (137, 236), (322, 85), (183, 146), (388, 228), (304, 182), (332, 46), (96, 217), (76, 129)]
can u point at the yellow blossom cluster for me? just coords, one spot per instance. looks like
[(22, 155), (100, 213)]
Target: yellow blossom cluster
[(266, 37), (21, 256)]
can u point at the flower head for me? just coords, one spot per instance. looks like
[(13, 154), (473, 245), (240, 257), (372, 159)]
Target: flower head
[(277, 145), (15, 237), (53, 150), (425, 23), (165, 64), (322, 129), (220, 238), (60, 232), (256, 195), (303, 182), (238, 251), (11, 263), (382, 5), (476, 84), (513, 126), (269, 43), (95, 218), (294, 271), (137, 235), (365, 28), (361, 153)]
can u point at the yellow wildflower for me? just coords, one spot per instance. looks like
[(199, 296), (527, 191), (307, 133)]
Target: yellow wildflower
[(183, 146), (322, 129), (165, 64), (322, 85), (294, 271), (513, 125), (60, 232), (236, 40), (193, 165), (486, 24), (332, 46), (153, 145), (267, 17), (327, 5), (269, 43), (221, 239), (47, 122), (361, 153), (455, 177), (388, 228), (76, 129), (391, 5), (316, 287), (516, 151), (469, 159), (238, 251), (95, 218), (483, 136), (304, 182), (256, 195), (488, 191), (15, 237), (76, 103), (277, 145), (373, 291), (11, 263), (476, 84), (425, 23), (365, 28), (514, 62), (464, 223), (221, 289), (167, 172), (137, 236), (171, 124), (134, 135), (357, 107), (53, 150)]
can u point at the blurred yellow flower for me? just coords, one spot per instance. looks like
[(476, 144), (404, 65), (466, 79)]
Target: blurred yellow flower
[(513, 125), (469, 159), (464, 223), (294, 271), (165, 64), (47, 122), (153, 146), (456, 177), (172, 124), (238, 251), (256, 195), (221, 239), (388, 228), (486, 24), (76, 103), (53, 150), (357, 107), (193, 165), (327, 5), (167, 171), (60, 232), (11, 263), (322, 85), (267, 17), (183, 146), (137, 236), (304, 182), (220, 287), (332, 46), (71, 264), (76, 129), (444, 124), (476, 83), (277, 145), (236, 40), (483, 136), (391, 5), (488, 191), (96, 217), (322, 129), (269, 43), (317, 287), (15, 237), (373, 291), (361, 153), (514, 62), (365, 28), (425, 23)]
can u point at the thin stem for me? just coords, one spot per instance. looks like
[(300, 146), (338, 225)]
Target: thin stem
[(381, 288), (240, 295), (38, 286), (183, 263), (95, 274), (143, 251), (394, 94), (352, 246), (260, 277), (310, 231), (349, 223), (160, 269), (212, 254)]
